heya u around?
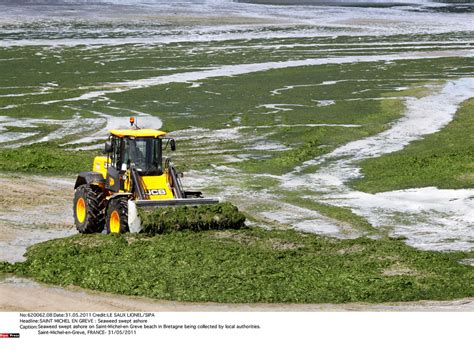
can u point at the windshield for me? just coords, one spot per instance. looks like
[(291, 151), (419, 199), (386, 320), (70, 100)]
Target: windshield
[(146, 154)]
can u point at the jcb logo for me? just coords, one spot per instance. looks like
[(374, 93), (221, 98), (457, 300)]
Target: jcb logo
[(157, 192)]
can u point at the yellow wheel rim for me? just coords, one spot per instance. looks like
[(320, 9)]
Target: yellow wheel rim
[(81, 210), (114, 222)]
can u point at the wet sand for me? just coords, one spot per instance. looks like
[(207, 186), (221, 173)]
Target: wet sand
[(33, 209)]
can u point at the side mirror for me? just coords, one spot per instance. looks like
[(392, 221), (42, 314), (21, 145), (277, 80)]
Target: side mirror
[(108, 147), (173, 145)]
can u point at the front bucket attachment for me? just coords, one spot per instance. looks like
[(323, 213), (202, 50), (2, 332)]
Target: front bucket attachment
[(134, 222), (161, 220)]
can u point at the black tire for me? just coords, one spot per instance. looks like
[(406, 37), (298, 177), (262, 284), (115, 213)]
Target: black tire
[(119, 207), (92, 218)]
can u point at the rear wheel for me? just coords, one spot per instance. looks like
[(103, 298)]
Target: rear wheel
[(89, 209), (117, 215)]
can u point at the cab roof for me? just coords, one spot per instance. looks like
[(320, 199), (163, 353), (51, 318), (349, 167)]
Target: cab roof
[(137, 133)]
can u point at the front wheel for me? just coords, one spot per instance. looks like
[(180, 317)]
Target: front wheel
[(117, 215), (89, 209)]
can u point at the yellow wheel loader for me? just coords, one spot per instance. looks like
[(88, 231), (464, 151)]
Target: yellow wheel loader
[(131, 175)]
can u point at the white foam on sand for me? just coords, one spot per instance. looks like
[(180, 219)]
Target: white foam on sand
[(305, 220), (278, 107), (431, 218)]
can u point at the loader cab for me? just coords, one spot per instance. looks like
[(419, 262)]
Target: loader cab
[(143, 153), (140, 149)]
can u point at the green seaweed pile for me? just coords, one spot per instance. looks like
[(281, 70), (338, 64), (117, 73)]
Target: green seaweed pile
[(249, 265), (194, 218)]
